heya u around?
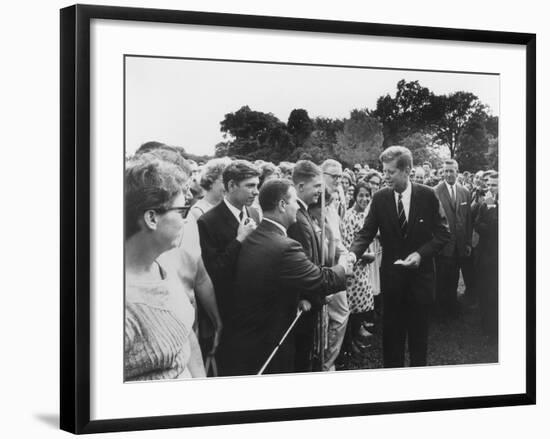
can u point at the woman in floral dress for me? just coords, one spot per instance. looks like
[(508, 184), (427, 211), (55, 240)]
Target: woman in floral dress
[(359, 289)]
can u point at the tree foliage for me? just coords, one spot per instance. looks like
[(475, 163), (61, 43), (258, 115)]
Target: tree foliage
[(454, 111), (300, 126), (360, 141), (448, 122), (432, 126)]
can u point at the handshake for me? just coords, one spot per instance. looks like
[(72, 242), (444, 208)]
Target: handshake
[(347, 260)]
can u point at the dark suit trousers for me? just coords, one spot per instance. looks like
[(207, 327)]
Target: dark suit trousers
[(303, 341), (405, 319), (447, 276)]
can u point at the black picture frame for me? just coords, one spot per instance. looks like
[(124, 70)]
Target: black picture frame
[(75, 217)]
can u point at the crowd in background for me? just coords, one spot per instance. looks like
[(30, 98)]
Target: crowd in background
[(193, 245)]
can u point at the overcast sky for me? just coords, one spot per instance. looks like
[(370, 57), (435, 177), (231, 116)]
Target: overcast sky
[(181, 102)]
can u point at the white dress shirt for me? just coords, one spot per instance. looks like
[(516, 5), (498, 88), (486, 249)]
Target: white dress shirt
[(450, 189), (405, 199), (304, 205)]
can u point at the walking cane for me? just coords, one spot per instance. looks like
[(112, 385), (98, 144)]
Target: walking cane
[(281, 341), (321, 327)]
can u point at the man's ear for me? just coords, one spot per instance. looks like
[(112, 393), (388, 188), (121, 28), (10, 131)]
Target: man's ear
[(282, 206), (150, 219)]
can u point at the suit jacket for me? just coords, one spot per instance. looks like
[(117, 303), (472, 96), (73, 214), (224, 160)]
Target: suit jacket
[(303, 231), (220, 248), (459, 217), (486, 225), (272, 270), (427, 233)]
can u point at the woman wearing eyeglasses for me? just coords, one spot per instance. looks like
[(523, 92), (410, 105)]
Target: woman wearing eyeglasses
[(159, 342)]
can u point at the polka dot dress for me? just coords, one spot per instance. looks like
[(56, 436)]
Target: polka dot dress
[(358, 287)]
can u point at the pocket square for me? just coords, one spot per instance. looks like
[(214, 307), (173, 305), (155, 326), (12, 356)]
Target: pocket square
[(463, 204), (421, 220)]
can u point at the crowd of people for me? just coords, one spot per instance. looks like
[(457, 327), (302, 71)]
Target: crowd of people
[(238, 268)]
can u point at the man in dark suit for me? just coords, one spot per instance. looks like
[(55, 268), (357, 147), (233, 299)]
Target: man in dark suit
[(222, 230), (455, 256), (272, 272), (307, 178), (486, 224), (413, 229)]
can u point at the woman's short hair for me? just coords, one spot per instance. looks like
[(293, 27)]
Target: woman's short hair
[(172, 154), (349, 177), (361, 185), (212, 171), (372, 173), (238, 171), (286, 168), (272, 192), (149, 182), (400, 153), (267, 169)]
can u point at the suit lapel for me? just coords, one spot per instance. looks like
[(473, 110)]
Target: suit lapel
[(310, 222), (447, 198), (227, 216)]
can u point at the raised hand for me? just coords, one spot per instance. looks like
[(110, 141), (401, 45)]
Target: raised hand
[(245, 229)]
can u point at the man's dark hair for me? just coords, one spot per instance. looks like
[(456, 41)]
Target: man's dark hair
[(305, 170), (272, 192), (238, 171), (401, 154)]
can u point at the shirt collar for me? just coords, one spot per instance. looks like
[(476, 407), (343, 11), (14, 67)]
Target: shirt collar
[(406, 194), (449, 187), (280, 226), (304, 205), (236, 212)]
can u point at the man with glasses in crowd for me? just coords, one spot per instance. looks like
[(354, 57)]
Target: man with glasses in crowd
[(338, 309)]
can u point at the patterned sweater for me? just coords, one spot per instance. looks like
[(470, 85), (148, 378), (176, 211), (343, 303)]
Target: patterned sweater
[(159, 343)]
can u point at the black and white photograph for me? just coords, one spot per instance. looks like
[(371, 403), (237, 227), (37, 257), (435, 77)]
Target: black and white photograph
[(285, 218), (277, 218)]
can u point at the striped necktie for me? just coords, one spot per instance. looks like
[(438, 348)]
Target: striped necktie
[(453, 196), (401, 215)]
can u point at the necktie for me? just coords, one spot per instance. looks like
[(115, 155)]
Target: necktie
[(241, 216), (401, 214), (453, 196)]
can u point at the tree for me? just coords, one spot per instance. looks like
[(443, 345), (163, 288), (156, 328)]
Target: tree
[(360, 141), (474, 144), (408, 112), (254, 135), (246, 124), (300, 126), (453, 112), (320, 143), (423, 149)]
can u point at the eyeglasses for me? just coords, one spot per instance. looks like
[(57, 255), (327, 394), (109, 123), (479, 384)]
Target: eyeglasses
[(335, 176), (182, 210), (374, 183)]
